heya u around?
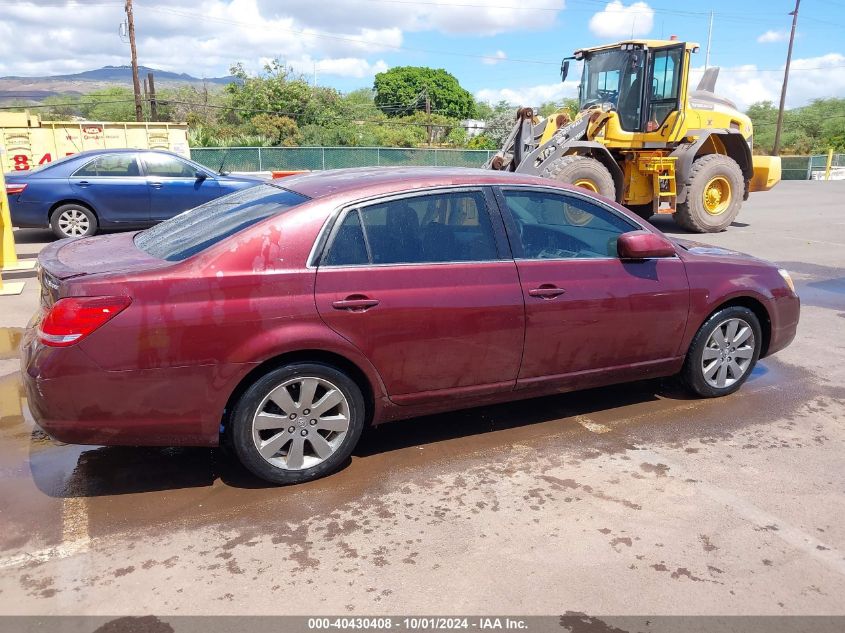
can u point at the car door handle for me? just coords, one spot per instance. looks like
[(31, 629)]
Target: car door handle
[(355, 303), (546, 291), (155, 185), (83, 183)]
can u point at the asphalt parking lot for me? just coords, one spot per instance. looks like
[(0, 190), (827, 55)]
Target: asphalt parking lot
[(626, 500)]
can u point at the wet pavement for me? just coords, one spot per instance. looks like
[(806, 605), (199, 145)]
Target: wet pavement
[(634, 499)]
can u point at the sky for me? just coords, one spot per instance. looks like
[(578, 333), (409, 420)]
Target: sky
[(498, 49)]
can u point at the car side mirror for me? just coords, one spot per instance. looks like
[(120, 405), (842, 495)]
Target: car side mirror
[(201, 175), (643, 245), (564, 69)]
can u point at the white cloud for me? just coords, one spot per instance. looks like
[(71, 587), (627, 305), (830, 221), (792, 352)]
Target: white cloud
[(618, 21), (206, 38), (809, 78), (344, 67), (495, 58), (529, 95), (773, 36)]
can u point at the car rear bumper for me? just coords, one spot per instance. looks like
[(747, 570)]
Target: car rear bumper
[(75, 401), (26, 215)]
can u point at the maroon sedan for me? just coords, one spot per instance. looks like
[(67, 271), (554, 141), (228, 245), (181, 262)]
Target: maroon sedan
[(284, 318)]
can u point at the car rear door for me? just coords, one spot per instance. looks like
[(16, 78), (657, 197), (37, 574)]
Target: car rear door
[(586, 309), (425, 287), (174, 186), (113, 186)]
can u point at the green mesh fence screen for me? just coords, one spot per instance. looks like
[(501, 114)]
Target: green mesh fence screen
[(795, 167), (293, 158), (290, 158)]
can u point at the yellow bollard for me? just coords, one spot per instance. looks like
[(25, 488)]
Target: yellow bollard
[(829, 163), (8, 256)]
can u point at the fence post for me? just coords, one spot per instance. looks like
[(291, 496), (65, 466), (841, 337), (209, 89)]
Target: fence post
[(829, 163), (378, 157), (260, 165), (323, 154), (435, 157)]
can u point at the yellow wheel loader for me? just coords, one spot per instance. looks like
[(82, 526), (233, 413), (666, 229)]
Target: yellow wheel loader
[(643, 139)]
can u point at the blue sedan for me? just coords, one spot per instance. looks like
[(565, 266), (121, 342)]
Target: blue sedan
[(113, 189)]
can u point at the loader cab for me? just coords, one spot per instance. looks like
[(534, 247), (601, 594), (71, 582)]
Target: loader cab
[(641, 81)]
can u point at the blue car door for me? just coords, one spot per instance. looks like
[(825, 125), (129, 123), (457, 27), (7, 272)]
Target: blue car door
[(112, 185), (175, 185)]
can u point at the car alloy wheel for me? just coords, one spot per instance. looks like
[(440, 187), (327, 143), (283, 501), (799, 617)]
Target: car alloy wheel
[(728, 353), (301, 423), (74, 223)]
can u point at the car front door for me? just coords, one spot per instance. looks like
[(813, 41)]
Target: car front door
[(586, 309), (174, 186), (113, 186), (425, 287)]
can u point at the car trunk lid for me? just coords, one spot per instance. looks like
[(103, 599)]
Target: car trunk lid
[(74, 258)]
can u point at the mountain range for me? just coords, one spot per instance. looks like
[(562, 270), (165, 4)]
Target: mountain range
[(34, 89)]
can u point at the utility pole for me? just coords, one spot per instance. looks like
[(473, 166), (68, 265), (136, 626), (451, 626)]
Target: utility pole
[(709, 39), (428, 112), (153, 102), (794, 15), (136, 84)]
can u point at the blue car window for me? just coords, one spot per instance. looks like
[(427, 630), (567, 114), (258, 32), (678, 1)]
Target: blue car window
[(163, 166), (114, 165)]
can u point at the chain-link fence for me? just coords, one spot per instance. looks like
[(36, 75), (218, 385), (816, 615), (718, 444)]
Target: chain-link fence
[(293, 158), (795, 167), (818, 167)]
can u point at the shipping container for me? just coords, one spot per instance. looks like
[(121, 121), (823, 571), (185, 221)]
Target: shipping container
[(27, 142)]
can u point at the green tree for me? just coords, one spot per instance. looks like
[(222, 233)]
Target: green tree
[(401, 90), (281, 130)]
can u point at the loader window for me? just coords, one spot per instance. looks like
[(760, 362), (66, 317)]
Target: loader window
[(665, 85), (615, 77)]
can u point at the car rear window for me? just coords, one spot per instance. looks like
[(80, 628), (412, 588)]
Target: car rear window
[(201, 227)]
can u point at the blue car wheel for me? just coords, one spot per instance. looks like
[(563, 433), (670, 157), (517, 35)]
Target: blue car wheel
[(73, 220)]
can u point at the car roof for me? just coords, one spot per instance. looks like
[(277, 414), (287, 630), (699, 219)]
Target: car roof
[(385, 180), (123, 150)]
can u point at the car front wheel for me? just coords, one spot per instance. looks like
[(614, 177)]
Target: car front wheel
[(723, 352), (297, 423)]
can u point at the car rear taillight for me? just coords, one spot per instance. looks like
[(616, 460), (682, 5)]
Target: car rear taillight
[(14, 189), (72, 319)]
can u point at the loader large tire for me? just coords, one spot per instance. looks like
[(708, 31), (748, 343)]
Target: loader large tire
[(715, 189), (582, 171)]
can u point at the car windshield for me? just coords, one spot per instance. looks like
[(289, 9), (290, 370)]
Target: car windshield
[(196, 229), (614, 77)]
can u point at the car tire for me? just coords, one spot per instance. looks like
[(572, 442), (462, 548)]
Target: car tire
[(283, 434), (715, 189), (723, 352), (584, 172), (73, 220)]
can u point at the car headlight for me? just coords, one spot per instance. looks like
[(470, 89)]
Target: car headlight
[(786, 277)]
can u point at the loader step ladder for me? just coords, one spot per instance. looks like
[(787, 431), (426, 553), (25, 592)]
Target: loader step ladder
[(664, 185)]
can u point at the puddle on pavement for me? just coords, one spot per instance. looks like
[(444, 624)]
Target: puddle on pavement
[(10, 342), (820, 286)]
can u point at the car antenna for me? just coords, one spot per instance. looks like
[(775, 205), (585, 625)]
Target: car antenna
[(222, 161)]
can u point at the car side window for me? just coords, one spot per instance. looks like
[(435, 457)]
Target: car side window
[(559, 226), (114, 165), (162, 166), (445, 227)]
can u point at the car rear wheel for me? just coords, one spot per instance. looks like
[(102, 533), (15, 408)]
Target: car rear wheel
[(723, 352), (73, 220), (297, 423)]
